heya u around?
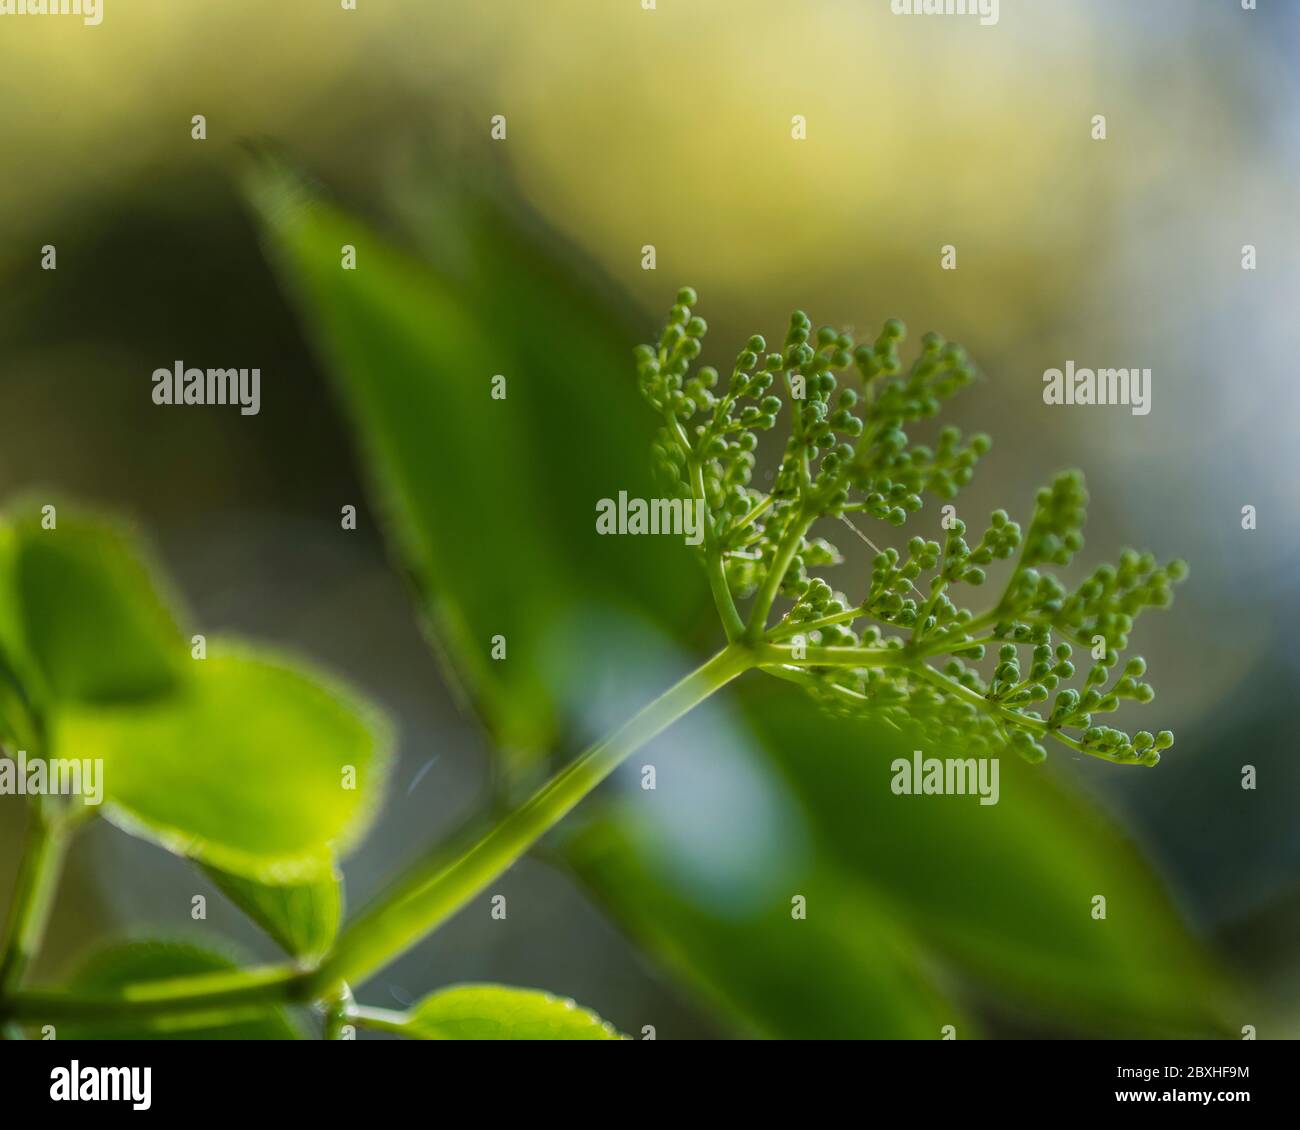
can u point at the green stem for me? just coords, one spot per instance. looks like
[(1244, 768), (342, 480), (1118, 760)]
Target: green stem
[(745, 520), (338, 1011), (785, 631), (432, 891), (771, 654), (716, 568), (437, 887), (936, 590), (38, 880), (984, 620), (952, 647), (202, 992), (785, 551), (380, 1019), (722, 598)]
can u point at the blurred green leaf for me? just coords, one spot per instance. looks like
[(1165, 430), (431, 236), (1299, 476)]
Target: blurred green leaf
[(253, 766), (489, 503), (1003, 891), (844, 972), (706, 868), (18, 723), (132, 962), (82, 619), (303, 918), (413, 348), (493, 1012)]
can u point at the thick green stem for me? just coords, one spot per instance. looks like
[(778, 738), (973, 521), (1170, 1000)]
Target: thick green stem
[(438, 886), (852, 657), (434, 889), (337, 1013), (38, 880)]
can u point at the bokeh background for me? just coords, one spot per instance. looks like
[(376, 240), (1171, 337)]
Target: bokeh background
[(671, 127)]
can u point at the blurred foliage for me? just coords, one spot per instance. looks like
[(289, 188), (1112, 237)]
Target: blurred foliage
[(233, 757), (59, 586), (1122, 249), (1003, 891), (1002, 894), (247, 768), (144, 960), (847, 972), (303, 918), (492, 1012), (477, 493)]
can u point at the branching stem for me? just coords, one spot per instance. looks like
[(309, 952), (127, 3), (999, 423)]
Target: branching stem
[(785, 551), (714, 564), (436, 887)]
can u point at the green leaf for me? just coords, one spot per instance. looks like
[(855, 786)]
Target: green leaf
[(138, 961), (413, 347), (253, 766), (717, 871), (844, 972), (494, 1012), (489, 503), (1003, 891), (18, 724), (81, 616), (303, 918)]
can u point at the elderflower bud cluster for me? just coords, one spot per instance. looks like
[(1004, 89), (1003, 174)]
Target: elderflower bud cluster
[(906, 648)]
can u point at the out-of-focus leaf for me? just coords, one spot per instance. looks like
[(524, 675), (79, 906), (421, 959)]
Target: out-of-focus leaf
[(253, 766), (138, 961), (844, 972), (494, 1012), (18, 723), (1003, 891), (413, 348), (718, 872), (303, 918), (490, 503), (82, 619)]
